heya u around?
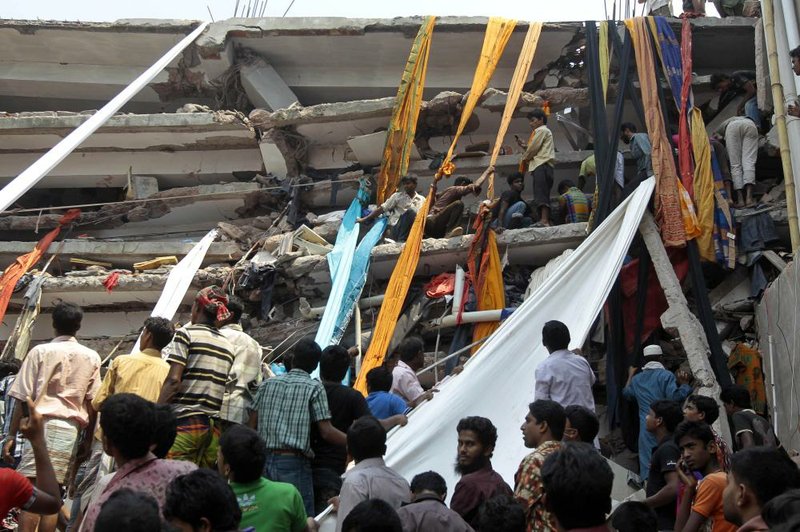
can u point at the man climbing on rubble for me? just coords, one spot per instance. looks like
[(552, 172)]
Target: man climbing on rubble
[(405, 382), (574, 205), (653, 383), (444, 218), (563, 377), (200, 358), (540, 156), (741, 141), (401, 209), (641, 150), (511, 211)]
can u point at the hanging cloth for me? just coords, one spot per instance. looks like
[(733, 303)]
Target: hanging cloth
[(8, 281), (605, 58), (704, 187), (403, 124), (498, 31), (486, 271), (724, 239), (667, 197)]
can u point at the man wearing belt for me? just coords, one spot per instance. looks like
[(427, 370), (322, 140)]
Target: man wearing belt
[(282, 412)]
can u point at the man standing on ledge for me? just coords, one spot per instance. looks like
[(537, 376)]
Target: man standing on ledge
[(540, 156)]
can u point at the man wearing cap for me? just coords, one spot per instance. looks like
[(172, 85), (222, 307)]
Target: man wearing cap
[(200, 358), (653, 383)]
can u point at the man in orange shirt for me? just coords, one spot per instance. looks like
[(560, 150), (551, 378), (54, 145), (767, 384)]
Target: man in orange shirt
[(702, 500)]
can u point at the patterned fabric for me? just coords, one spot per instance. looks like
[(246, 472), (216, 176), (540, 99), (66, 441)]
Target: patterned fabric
[(61, 438), (207, 357), (213, 300), (287, 405), (244, 377), (745, 364), (529, 490), (197, 441), (575, 206)]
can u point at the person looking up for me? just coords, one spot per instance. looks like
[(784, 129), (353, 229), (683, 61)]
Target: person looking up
[(641, 150)]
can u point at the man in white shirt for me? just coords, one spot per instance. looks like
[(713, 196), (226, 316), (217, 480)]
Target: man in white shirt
[(563, 377), (401, 209), (405, 382), (657, 8)]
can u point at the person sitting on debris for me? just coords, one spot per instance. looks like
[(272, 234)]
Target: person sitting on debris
[(741, 143), (479, 482), (540, 157), (582, 424), (245, 374), (705, 409), (383, 404), (564, 377), (641, 150), (749, 429), (652, 384), (510, 211), (662, 480), (427, 511), (657, 8), (573, 203), (444, 218), (405, 382), (401, 209)]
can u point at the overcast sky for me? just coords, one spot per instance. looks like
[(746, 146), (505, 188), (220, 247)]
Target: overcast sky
[(108, 10)]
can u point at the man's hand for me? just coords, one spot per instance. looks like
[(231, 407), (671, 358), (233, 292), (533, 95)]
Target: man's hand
[(312, 525), (687, 479), (793, 110), (8, 449), (632, 371), (334, 501), (32, 427), (353, 351), (458, 369), (361, 220), (683, 377), (403, 420), (519, 141)]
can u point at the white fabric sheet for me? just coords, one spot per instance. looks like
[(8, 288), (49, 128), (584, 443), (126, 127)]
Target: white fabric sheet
[(498, 383)]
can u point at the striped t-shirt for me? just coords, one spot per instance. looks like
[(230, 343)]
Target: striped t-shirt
[(207, 357)]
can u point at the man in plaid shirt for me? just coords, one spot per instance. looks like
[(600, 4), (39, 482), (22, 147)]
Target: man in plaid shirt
[(282, 412)]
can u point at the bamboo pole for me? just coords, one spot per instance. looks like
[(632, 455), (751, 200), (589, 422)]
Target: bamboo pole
[(780, 119)]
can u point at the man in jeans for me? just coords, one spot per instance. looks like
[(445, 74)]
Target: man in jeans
[(511, 211), (283, 411)]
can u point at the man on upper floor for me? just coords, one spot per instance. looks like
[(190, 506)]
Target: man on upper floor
[(641, 150), (540, 158), (510, 211), (401, 209), (444, 218)]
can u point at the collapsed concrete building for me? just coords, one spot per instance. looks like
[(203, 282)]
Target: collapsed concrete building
[(263, 126)]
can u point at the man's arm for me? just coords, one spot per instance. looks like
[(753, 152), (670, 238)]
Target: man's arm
[(745, 439), (172, 383), (542, 386), (482, 178), (665, 495), (534, 147), (331, 434), (391, 422), (48, 492), (371, 216), (107, 387)]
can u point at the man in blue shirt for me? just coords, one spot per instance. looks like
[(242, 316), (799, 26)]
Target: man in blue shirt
[(381, 403), (653, 383)]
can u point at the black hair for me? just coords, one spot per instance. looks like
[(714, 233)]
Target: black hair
[(781, 509), (334, 363), (165, 429), (379, 380), (538, 113), (634, 516), (577, 476), (306, 355), (629, 126), (462, 181), (551, 412), (410, 348), (161, 330), (694, 429), (706, 405), (236, 308), (565, 185), (584, 421), (555, 335), (736, 394), (792, 524), (244, 451), (366, 438), (718, 78), (126, 510), (410, 178), (127, 421), (482, 427), (67, 318), (203, 493), (767, 471), (794, 52), (9, 367), (670, 413), (372, 515), (501, 513), (429, 481), (514, 177)]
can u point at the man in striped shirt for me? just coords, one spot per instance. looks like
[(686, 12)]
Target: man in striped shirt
[(574, 203), (200, 358)]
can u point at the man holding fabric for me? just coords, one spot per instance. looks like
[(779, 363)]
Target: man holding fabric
[(200, 358), (444, 219), (540, 156), (401, 209)]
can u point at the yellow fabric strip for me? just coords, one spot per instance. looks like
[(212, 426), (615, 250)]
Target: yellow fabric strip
[(492, 294), (514, 91), (605, 58), (403, 124), (703, 186), (498, 31), (395, 297)]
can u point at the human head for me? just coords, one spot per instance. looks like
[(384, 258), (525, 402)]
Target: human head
[(334, 363), (516, 181), (555, 336), (794, 53), (428, 483), (537, 118), (697, 444), (663, 414), (379, 380), (634, 516), (700, 408), (462, 181), (582, 424), (165, 430), (720, 82), (501, 513), (735, 397), (391, 360), (627, 130), (210, 306), (565, 185), (783, 509), (412, 352), (67, 319), (127, 421), (236, 308), (757, 476), (305, 355), (241, 455), (477, 437), (157, 333), (366, 438), (372, 515), (409, 183), (201, 501), (126, 510), (577, 476), (652, 352), (9, 367), (545, 422)]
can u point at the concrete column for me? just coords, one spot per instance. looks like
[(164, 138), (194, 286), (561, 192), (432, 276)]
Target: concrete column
[(141, 187), (680, 317), (265, 87)]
